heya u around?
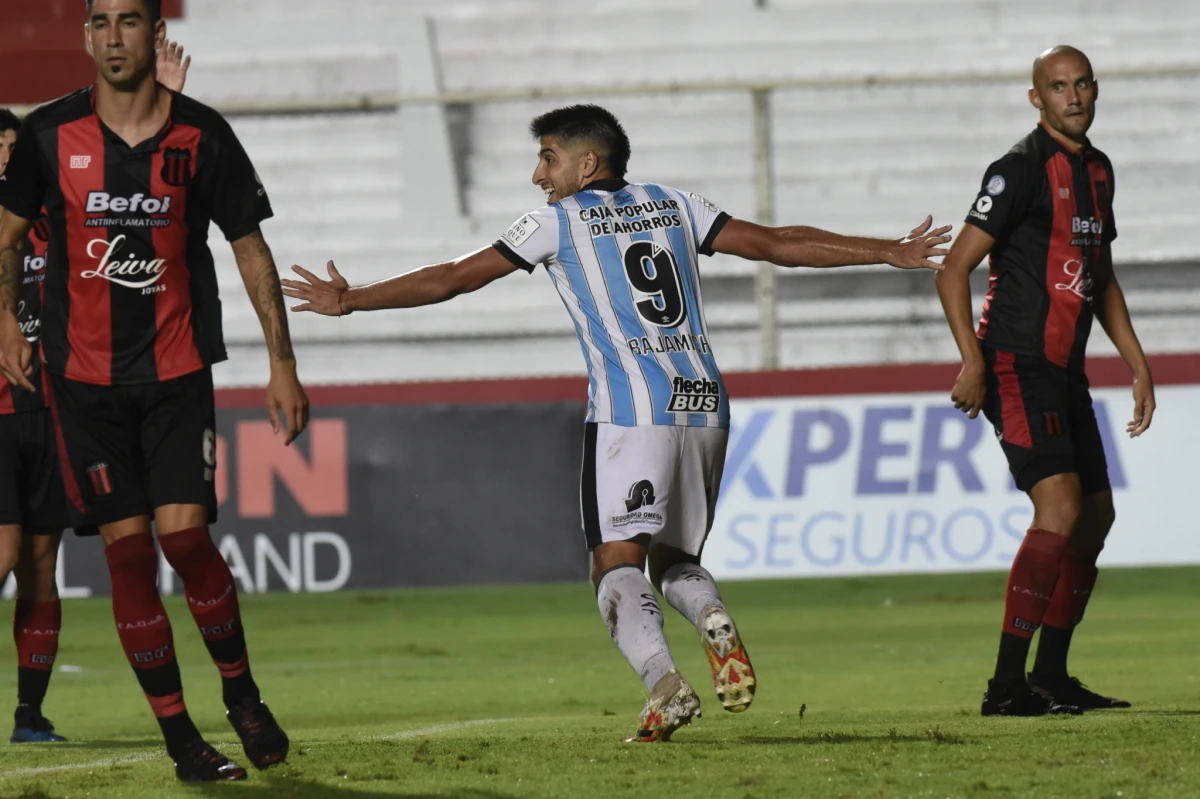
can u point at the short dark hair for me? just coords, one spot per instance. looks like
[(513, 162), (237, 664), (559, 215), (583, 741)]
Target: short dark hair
[(590, 122), (153, 8), (9, 120)]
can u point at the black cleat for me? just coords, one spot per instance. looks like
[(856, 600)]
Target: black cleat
[(263, 739), (1069, 690), (1016, 699), (32, 728), (199, 762)]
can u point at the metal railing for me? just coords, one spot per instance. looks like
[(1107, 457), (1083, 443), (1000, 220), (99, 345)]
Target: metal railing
[(761, 91)]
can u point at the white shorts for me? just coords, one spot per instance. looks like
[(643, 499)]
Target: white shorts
[(651, 480)]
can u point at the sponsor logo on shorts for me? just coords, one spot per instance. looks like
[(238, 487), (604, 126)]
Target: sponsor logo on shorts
[(641, 496), (101, 479), (1053, 423), (695, 396)]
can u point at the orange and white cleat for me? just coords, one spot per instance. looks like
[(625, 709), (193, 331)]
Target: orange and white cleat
[(733, 676), (672, 704)]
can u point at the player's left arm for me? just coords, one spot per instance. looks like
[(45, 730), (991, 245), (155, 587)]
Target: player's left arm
[(426, 285), (808, 246), (1113, 314), (285, 395)]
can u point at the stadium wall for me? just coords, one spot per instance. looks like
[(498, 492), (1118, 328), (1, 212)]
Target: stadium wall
[(846, 471)]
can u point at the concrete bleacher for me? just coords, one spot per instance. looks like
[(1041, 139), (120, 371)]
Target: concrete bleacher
[(862, 159)]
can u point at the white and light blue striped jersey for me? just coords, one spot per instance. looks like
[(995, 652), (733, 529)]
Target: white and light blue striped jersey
[(625, 260)]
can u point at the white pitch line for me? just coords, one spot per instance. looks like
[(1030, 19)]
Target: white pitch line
[(112, 761), (118, 761)]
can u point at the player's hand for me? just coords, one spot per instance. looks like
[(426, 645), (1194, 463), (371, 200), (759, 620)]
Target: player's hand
[(320, 296), (16, 354), (172, 66), (970, 389), (287, 404), (915, 250), (1143, 405)]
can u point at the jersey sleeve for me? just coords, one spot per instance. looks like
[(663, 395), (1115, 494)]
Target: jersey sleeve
[(531, 240), (24, 183), (1004, 196), (708, 219), (236, 196)]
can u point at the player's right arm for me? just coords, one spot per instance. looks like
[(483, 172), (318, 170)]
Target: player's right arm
[(16, 353), (21, 194), (426, 285), (530, 240), (1003, 200), (813, 247), (954, 289)]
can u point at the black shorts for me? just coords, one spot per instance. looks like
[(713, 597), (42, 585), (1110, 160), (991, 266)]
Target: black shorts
[(1044, 419), (31, 485), (133, 449)]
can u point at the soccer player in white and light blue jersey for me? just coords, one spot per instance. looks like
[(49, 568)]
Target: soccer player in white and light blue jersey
[(625, 260)]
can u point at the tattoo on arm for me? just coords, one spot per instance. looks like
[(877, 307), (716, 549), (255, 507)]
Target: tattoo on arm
[(11, 270), (262, 283)]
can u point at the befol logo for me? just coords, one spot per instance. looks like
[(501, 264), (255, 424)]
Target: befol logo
[(130, 273), (101, 202)]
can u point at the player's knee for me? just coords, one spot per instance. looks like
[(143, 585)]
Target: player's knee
[(661, 558), (36, 573)]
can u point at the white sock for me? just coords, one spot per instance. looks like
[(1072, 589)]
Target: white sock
[(635, 622), (689, 588)]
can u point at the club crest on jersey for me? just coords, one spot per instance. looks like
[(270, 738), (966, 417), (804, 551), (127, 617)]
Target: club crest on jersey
[(177, 167), (41, 229), (694, 396), (131, 272)]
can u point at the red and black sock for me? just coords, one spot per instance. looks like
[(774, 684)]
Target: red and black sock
[(1076, 579), (212, 598), (1031, 585), (35, 632), (145, 633)]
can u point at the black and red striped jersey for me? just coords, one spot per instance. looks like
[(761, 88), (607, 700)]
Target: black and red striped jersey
[(14, 399), (1050, 212), (131, 290)]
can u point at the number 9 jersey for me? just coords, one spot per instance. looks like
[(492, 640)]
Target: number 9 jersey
[(625, 260)]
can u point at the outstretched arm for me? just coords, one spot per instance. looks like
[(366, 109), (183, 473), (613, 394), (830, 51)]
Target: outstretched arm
[(424, 286), (16, 353), (284, 393), (808, 246), (954, 289), (1113, 314)]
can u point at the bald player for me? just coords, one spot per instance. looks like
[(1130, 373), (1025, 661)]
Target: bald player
[(1044, 214)]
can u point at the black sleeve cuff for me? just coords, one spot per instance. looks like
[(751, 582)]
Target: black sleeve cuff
[(243, 230), (512, 257), (717, 226)]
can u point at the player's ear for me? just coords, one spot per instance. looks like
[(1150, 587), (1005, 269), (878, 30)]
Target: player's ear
[(160, 35), (87, 39), (591, 164), (1036, 100)]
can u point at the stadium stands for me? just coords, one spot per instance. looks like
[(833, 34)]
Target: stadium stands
[(862, 158)]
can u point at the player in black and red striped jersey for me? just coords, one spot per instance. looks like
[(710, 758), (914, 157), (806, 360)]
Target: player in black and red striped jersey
[(1044, 213), (33, 506), (131, 174), (33, 502)]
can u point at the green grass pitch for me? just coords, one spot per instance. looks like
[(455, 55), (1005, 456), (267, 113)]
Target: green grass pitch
[(518, 692)]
